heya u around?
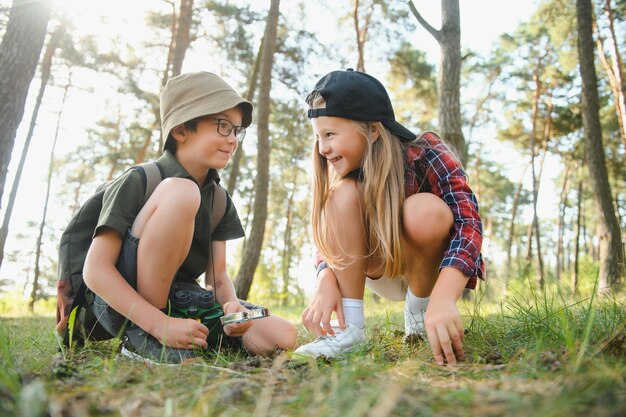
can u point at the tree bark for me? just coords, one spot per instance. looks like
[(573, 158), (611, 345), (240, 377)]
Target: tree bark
[(449, 39), (612, 251), (361, 33), (480, 107), (46, 65), (179, 43), (19, 53), (287, 246), (42, 225), (509, 243), (252, 249), (235, 166), (170, 49), (579, 221), (535, 182), (182, 36), (614, 70), (561, 225)]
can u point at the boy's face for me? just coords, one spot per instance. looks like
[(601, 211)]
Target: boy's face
[(206, 147)]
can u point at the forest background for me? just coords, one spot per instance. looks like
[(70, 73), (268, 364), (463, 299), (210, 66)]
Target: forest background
[(511, 105)]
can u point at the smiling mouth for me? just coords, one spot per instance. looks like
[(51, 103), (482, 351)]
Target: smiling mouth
[(333, 160)]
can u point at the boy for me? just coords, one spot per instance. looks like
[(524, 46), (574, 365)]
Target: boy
[(140, 254)]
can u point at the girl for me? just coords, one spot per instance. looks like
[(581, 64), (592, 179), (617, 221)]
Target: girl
[(391, 211)]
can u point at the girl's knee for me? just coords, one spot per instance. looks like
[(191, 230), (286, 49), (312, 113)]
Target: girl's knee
[(345, 199), (426, 219)]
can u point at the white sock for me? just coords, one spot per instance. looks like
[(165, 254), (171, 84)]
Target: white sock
[(353, 312), (414, 309)]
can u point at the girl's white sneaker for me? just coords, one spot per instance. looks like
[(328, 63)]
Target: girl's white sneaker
[(343, 341), (413, 322)]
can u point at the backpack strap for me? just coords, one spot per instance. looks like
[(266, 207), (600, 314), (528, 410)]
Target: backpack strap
[(151, 175), (218, 210), (219, 206)]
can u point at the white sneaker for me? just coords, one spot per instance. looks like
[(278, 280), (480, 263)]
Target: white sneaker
[(343, 341), (413, 322)]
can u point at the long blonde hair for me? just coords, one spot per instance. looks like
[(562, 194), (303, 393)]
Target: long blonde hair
[(382, 198)]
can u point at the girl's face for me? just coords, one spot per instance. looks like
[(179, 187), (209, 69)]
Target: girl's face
[(340, 143), (206, 147)]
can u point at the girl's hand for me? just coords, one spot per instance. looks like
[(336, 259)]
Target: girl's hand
[(444, 330), (326, 299), (235, 329), (183, 333)]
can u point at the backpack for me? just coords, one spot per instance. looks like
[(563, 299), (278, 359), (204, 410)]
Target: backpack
[(75, 319)]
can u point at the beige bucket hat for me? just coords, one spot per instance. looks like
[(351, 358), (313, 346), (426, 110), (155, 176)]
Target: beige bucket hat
[(196, 94)]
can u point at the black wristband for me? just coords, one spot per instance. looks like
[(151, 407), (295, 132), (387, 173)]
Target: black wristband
[(320, 267)]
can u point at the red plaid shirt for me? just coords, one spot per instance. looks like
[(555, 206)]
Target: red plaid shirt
[(432, 168)]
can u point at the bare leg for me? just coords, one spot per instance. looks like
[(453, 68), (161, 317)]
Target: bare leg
[(165, 228), (346, 217), (427, 221), (268, 334)]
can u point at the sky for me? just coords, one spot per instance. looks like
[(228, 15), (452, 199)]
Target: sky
[(482, 21)]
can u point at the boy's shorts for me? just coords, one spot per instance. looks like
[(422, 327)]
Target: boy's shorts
[(391, 289), (114, 322)]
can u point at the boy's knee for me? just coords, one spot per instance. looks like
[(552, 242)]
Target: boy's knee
[(290, 337), (180, 194), (426, 219), (265, 338)]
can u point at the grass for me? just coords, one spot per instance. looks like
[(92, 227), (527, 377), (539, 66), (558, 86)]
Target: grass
[(529, 355)]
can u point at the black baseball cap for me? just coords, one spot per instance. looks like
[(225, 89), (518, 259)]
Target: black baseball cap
[(358, 96)]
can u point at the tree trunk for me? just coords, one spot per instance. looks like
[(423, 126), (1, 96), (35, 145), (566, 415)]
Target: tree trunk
[(252, 249), (235, 165), (361, 34), (449, 39), (561, 225), (179, 43), (170, 49), (614, 70), (19, 53), (479, 109), (42, 225), (579, 220), (182, 36), (612, 251), (46, 65), (535, 183), (509, 243), (287, 246)]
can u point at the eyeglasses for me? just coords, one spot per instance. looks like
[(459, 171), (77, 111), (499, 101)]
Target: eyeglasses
[(225, 128)]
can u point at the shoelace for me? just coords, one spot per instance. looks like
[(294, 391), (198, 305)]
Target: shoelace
[(325, 336)]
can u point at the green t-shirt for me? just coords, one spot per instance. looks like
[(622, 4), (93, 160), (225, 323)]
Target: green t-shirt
[(123, 200)]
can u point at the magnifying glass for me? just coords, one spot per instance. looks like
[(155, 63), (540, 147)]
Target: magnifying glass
[(243, 316)]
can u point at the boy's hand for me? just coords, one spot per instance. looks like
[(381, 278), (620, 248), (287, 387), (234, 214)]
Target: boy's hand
[(327, 298), (183, 333), (235, 329), (444, 330)]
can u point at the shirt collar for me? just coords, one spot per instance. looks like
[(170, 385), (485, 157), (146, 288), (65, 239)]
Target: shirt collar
[(172, 168)]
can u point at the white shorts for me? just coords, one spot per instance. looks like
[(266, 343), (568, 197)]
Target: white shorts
[(391, 289)]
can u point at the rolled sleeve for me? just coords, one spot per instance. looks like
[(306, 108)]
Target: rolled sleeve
[(121, 203), (449, 182)]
